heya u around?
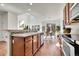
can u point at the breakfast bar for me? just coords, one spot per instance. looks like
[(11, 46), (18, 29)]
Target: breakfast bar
[(26, 44)]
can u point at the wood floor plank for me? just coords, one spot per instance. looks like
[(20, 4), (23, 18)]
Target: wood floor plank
[(49, 49)]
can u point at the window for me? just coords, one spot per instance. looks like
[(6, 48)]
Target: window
[(21, 24)]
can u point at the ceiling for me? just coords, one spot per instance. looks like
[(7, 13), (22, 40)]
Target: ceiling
[(40, 10)]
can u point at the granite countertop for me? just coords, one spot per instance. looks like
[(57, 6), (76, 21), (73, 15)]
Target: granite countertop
[(25, 34)]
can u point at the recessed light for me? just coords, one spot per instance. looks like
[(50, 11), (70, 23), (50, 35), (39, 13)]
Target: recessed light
[(30, 3), (29, 9), (2, 4)]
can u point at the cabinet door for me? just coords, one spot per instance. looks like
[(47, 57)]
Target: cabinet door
[(34, 44), (38, 41), (3, 49), (28, 46), (66, 14), (18, 46)]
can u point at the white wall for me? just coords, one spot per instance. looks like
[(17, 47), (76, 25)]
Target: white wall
[(5, 20), (0, 22), (12, 21), (75, 28), (29, 20), (0, 27), (23, 17), (32, 20), (9, 20)]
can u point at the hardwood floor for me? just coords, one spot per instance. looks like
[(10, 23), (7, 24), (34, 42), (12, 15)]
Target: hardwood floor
[(50, 48)]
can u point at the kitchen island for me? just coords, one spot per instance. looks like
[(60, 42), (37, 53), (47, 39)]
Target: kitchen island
[(26, 44)]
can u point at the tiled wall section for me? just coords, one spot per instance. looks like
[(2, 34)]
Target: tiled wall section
[(3, 49)]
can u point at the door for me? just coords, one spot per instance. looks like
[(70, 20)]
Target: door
[(17, 46)]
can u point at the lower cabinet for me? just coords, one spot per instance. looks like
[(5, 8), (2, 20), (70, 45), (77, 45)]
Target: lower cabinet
[(34, 44), (3, 49), (38, 41), (17, 46), (26, 46)]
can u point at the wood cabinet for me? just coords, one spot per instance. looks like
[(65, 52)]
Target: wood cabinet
[(71, 13), (34, 44), (17, 46), (70, 5), (38, 41), (66, 14), (3, 49), (74, 12), (28, 46)]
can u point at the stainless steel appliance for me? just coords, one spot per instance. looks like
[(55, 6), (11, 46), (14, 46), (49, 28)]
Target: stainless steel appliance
[(68, 47)]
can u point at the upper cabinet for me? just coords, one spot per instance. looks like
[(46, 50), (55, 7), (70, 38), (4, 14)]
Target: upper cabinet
[(71, 13), (74, 13), (66, 14), (73, 9)]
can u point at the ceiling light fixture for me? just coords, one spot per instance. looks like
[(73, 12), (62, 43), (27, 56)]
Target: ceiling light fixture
[(30, 3), (2, 4)]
